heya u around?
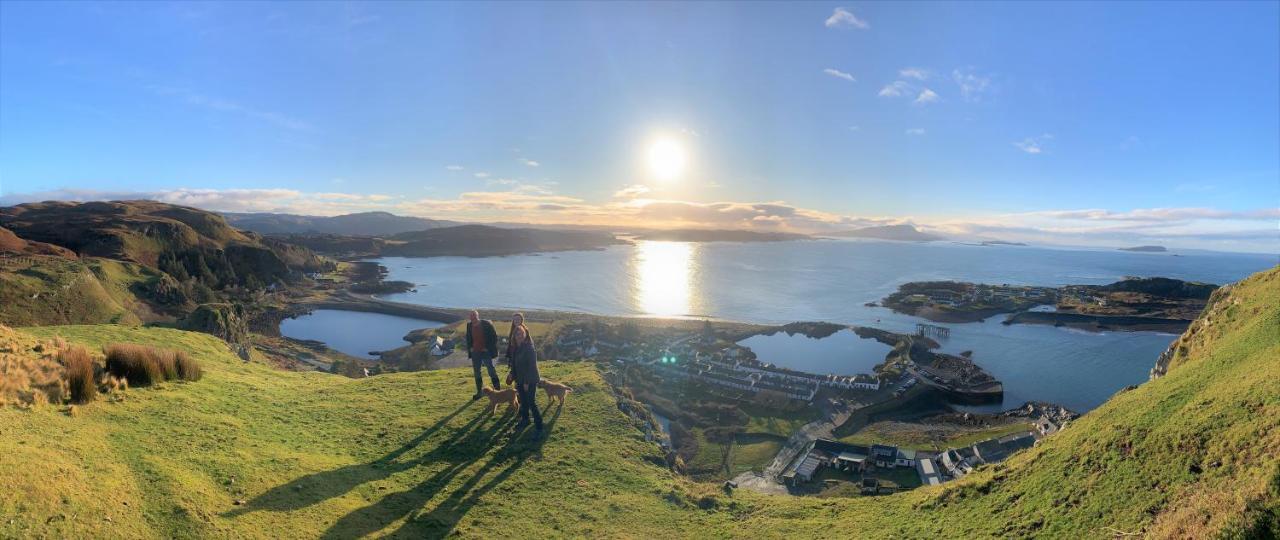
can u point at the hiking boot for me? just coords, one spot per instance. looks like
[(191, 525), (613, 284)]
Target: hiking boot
[(477, 396), (522, 424)]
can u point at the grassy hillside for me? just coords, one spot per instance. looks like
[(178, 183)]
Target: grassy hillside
[(56, 290), (1195, 453)]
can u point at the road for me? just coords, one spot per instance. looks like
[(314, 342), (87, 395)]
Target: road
[(768, 482)]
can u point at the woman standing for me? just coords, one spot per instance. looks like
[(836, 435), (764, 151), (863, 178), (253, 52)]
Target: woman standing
[(524, 372), (517, 321)]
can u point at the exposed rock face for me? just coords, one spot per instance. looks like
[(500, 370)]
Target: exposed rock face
[(223, 320), (1179, 349)]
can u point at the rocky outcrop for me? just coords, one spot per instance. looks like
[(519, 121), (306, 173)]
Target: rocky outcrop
[(226, 321), (1179, 350)]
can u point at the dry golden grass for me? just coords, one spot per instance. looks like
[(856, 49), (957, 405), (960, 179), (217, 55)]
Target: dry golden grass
[(141, 365), (80, 373), (29, 373)]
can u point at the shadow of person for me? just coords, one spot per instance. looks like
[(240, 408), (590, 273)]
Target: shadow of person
[(458, 456), (444, 517), (315, 488)]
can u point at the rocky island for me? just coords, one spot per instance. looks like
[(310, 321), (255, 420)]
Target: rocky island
[(1155, 304)]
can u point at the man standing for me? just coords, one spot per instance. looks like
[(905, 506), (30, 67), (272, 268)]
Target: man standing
[(482, 346)]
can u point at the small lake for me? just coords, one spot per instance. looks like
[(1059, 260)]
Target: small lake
[(841, 353), (354, 332)]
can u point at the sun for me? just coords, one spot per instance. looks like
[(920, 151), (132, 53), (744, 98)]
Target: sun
[(667, 159)]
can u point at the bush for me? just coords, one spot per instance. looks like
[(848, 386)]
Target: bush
[(135, 363), (188, 368), (79, 370), (143, 366)]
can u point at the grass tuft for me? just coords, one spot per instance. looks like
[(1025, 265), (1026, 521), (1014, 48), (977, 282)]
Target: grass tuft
[(80, 373), (142, 365)]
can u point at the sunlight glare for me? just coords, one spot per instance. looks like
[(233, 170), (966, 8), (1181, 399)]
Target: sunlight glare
[(667, 159), (663, 275)]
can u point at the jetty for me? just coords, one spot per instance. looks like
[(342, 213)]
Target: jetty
[(932, 330)]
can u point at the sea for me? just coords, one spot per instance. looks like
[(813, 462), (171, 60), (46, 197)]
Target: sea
[(833, 280)]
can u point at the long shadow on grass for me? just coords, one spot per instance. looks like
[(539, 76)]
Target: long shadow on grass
[(315, 488), (441, 520)]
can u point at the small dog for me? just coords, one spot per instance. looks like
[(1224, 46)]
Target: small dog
[(498, 397), (555, 390)]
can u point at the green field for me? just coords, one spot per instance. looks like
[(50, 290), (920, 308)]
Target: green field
[(1193, 454)]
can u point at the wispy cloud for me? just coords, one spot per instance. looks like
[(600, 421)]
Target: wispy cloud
[(1033, 145), (918, 74), (197, 99), (481, 175), (915, 131), (529, 162), (842, 17), (453, 167), (972, 85), (895, 89), (839, 74), (926, 96), (631, 192)]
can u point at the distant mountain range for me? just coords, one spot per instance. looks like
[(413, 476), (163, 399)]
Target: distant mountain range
[(901, 233), (703, 235), (485, 241), (360, 224)]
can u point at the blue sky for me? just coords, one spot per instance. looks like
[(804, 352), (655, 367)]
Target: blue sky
[(1060, 122)]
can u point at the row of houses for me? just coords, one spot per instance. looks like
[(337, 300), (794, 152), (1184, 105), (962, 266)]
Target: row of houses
[(957, 462), (848, 458)]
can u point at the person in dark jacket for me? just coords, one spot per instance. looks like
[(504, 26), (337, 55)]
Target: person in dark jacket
[(517, 321), (524, 373), (482, 347)]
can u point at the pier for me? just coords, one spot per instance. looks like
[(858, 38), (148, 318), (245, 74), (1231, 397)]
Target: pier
[(932, 330)]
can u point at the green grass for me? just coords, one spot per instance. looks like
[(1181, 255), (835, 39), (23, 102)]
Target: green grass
[(922, 439), (1193, 454)]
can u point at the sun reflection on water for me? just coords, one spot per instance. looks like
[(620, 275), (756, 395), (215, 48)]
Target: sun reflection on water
[(663, 273)]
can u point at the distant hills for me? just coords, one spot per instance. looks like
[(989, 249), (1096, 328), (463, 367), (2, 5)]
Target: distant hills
[(129, 261), (359, 224), (901, 233), (705, 235), (485, 241)]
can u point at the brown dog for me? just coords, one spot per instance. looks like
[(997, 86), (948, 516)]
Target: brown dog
[(555, 390), (498, 397)]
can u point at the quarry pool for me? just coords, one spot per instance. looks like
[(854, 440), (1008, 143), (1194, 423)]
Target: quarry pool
[(841, 353), (354, 332)]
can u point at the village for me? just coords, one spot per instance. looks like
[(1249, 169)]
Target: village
[(682, 374)]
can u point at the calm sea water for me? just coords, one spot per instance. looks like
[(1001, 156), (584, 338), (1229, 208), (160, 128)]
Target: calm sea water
[(830, 281), (841, 353), (353, 332)]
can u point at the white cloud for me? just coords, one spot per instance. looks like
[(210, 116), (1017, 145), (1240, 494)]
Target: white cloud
[(631, 192), (915, 131), (842, 17), (895, 89), (926, 96), (529, 162), (972, 85), (854, 128), (918, 74), (1033, 145), (481, 175), (839, 74), (453, 167)]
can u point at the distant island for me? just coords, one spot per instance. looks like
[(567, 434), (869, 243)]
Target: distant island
[(901, 233), (720, 235), (1146, 249), (487, 241), (1001, 243), (1157, 303)]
